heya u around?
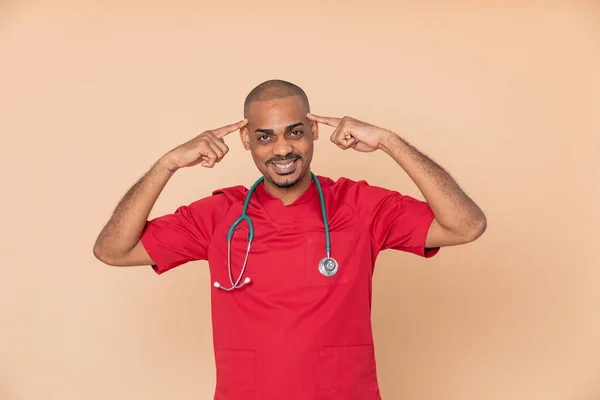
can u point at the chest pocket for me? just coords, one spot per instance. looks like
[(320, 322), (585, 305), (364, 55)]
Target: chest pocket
[(342, 250)]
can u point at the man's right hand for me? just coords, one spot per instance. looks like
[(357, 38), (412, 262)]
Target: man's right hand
[(206, 149)]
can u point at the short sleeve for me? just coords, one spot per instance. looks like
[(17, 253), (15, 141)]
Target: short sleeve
[(183, 236), (396, 221)]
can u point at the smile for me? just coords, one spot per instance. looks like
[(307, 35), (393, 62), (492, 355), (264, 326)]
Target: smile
[(284, 167)]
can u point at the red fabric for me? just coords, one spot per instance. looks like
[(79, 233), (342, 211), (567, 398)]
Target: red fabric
[(292, 333)]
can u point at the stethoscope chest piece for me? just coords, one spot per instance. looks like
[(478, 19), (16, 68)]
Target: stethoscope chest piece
[(328, 266)]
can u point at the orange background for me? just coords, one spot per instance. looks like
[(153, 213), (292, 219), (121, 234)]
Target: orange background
[(504, 95)]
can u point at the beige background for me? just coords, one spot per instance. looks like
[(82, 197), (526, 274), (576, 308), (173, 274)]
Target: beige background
[(505, 96)]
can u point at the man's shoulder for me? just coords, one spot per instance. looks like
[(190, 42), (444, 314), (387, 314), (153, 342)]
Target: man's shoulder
[(219, 199), (356, 191), (343, 184), (231, 193), (341, 181)]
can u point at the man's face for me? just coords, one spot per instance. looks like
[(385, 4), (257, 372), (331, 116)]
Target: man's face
[(280, 138)]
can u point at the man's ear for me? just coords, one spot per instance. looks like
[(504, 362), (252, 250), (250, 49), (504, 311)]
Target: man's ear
[(314, 128), (245, 136)]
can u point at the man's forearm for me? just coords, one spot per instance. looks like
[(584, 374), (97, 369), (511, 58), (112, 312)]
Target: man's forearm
[(125, 227), (453, 209)]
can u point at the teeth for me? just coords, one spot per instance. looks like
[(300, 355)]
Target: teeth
[(284, 166)]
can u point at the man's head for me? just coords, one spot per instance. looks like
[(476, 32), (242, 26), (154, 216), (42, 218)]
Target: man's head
[(278, 134)]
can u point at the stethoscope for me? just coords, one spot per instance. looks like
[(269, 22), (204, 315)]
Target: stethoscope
[(328, 266)]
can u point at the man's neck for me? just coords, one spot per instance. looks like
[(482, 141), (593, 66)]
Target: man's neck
[(289, 195)]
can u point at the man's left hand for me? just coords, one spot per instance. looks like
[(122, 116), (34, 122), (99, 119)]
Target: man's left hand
[(355, 134)]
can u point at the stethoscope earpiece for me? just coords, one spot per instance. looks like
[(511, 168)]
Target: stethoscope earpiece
[(328, 266)]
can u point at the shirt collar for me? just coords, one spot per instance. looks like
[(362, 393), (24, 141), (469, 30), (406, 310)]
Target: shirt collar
[(275, 208)]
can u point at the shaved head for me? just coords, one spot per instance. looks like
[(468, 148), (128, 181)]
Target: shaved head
[(279, 135), (273, 90)]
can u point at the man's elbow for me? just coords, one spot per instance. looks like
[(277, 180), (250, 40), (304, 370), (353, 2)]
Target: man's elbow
[(477, 227), (104, 256)]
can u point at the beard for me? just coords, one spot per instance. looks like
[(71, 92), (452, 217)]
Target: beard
[(287, 182)]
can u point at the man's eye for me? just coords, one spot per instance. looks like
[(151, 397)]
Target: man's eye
[(263, 138), (296, 133)]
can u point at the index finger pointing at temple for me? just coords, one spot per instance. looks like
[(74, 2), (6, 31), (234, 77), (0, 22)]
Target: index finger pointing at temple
[(331, 121), (227, 129)]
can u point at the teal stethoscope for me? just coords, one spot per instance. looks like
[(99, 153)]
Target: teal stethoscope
[(328, 266)]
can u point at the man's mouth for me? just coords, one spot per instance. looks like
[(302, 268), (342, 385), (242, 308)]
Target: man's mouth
[(284, 167)]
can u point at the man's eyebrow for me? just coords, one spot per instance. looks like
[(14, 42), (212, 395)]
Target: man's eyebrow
[(270, 131)]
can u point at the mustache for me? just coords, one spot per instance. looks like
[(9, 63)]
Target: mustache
[(290, 157)]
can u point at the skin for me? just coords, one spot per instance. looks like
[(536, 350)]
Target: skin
[(458, 220), (280, 130), (118, 243), (283, 129)]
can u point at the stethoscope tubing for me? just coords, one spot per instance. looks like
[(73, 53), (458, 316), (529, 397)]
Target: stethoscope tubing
[(244, 217)]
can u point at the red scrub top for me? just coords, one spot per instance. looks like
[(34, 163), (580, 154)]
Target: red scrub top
[(293, 333)]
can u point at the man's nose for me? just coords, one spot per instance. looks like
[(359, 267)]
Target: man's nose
[(282, 147)]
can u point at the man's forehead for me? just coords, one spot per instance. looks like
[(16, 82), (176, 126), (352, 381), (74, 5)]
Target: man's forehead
[(284, 111)]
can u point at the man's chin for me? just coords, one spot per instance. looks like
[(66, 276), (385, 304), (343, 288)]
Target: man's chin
[(284, 181)]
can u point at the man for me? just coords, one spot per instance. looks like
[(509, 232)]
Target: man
[(291, 318)]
